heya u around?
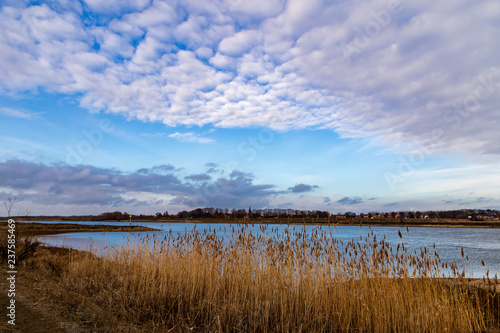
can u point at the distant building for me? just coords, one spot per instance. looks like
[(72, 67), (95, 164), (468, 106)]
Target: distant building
[(491, 217)]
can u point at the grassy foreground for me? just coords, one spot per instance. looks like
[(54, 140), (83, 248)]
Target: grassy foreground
[(271, 282)]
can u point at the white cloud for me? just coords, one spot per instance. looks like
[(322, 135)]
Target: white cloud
[(159, 13), (239, 43), (221, 61), (360, 68), (458, 181), (248, 12), (113, 44), (190, 137), (204, 52), (111, 6)]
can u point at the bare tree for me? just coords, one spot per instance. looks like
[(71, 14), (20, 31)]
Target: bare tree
[(9, 205)]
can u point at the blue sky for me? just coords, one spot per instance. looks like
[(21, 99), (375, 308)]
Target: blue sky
[(146, 106)]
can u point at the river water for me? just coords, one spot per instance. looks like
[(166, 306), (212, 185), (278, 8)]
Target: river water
[(478, 243)]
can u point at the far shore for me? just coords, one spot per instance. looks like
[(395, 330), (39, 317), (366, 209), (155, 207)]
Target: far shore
[(427, 223)]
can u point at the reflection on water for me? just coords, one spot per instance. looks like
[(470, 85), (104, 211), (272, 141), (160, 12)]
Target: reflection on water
[(478, 243)]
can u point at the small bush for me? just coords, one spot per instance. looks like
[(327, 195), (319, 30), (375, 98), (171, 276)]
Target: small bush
[(25, 248)]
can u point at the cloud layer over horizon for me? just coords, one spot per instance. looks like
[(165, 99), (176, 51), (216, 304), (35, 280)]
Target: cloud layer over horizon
[(403, 73), (85, 189), (159, 186)]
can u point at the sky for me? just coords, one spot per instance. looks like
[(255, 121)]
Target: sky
[(148, 106)]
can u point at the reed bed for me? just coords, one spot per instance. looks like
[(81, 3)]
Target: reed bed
[(281, 282)]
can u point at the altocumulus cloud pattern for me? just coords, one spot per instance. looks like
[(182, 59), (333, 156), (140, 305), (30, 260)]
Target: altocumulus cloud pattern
[(382, 69)]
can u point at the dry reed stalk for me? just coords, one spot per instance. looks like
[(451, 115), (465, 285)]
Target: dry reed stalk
[(279, 282)]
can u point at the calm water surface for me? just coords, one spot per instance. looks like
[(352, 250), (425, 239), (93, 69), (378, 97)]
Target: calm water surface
[(478, 243)]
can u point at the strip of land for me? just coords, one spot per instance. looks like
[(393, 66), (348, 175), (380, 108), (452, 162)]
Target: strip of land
[(38, 229)]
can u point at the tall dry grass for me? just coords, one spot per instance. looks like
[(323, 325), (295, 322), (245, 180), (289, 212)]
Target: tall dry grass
[(280, 282)]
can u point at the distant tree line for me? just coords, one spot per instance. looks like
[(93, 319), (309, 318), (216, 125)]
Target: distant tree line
[(111, 216), (250, 213), (210, 212), (294, 213)]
